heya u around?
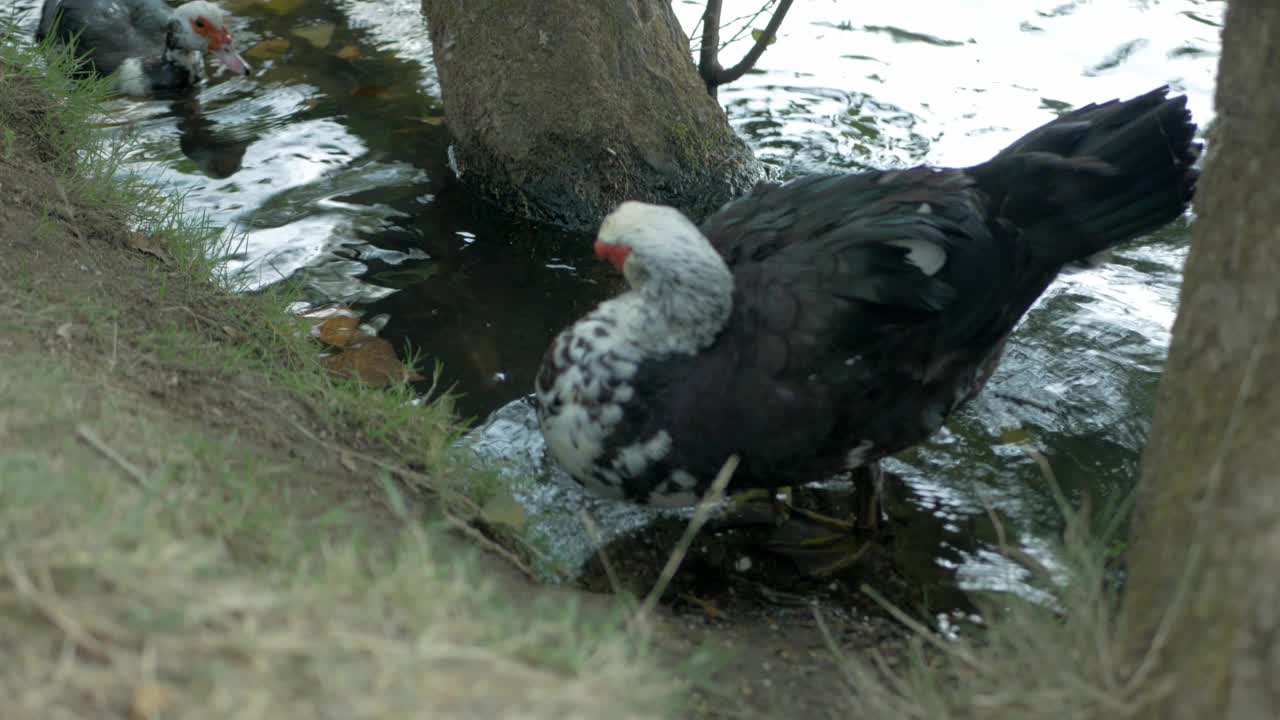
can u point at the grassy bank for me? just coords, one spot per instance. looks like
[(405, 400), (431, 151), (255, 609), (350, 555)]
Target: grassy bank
[(196, 519), (1029, 661)]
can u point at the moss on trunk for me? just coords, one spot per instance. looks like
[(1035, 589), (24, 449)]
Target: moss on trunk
[(560, 110)]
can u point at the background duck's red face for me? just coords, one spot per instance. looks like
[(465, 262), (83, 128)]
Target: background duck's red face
[(217, 35), (220, 44)]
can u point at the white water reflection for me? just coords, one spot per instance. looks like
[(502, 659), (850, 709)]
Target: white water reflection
[(397, 27), (973, 75)]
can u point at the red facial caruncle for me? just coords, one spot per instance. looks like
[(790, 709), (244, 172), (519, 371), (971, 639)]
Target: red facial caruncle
[(217, 36), (615, 255)]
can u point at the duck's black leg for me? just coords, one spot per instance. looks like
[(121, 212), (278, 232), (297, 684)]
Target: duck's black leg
[(868, 490), (756, 506), (820, 542)]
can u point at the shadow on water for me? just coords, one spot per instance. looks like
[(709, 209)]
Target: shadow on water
[(333, 160)]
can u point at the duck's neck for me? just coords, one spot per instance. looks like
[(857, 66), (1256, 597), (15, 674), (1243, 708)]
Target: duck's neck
[(678, 314), (190, 61)]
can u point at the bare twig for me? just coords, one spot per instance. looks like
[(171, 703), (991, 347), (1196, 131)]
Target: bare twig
[(750, 18), (115, 344), (424, 484), (830, 639), (593, 531), (425, 480), (715, 75), (1014, 553), (957, 651), (480, 538), (48, 604), (745, 27), (200, 319), (700, 515), (70, 210), (90, 438)]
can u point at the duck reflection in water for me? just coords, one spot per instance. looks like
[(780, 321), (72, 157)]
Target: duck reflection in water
[(218, 153)]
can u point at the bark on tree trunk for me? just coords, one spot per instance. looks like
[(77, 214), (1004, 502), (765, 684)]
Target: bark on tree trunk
[(1202, 606), (561, 109)]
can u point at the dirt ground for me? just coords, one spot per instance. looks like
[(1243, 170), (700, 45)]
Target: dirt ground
[(81, 293)]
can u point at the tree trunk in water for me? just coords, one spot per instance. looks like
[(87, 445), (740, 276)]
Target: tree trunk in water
[(1202, 606), (562, 109)]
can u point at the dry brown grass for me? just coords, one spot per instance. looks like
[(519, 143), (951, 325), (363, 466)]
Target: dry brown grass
[(174, 545), (1029, 661), (214, 589)]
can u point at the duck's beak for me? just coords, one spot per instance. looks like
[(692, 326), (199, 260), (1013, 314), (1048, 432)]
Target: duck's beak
[(222, 48), (228, 56)]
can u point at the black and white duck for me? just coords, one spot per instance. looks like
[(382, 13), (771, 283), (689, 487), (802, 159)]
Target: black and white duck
[(818, 326), (148, 46)]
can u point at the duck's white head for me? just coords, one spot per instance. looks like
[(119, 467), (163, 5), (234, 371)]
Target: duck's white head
[(201, 27), (670, 264)]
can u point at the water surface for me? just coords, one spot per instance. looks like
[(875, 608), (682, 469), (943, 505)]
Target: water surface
[(333, 162)]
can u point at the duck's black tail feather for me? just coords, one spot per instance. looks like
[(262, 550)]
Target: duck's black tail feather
[(1095, 177)]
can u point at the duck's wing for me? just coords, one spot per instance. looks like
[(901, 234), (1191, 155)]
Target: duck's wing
[(842, 284), (109, 32)]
